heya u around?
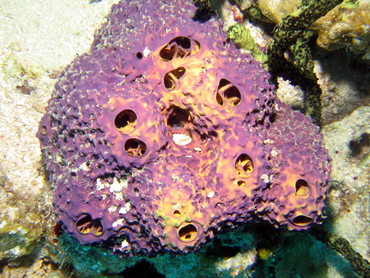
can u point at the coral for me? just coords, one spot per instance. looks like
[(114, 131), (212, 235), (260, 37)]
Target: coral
[(297, 23), (347, 25), (251, 7), (292, 34), (277, 10), (160, 137)]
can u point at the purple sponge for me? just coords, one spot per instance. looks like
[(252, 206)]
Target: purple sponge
[(162, 135)]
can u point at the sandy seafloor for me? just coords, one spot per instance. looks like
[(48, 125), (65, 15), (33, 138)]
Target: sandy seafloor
[(38, 38)]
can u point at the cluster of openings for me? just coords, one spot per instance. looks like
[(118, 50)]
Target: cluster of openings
[(244, 168), (228, 94), (126, 121), (86, 225), (179, 47), (302, 190), (187, 232)]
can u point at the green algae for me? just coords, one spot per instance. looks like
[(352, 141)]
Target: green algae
[(292, 33), (243, 38), (16, 241)]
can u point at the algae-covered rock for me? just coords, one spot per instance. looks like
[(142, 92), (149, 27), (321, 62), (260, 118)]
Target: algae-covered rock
[(276, 10), (22, 222), (347, 25)]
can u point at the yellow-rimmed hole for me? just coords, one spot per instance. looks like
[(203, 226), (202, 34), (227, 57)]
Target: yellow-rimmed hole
[(176, 213), (302, 220), (125, 121), (179, 47), (86, 225), (135, 147), (171, 78), (244, 166), (302, 189), (187, 232), (227, 93)]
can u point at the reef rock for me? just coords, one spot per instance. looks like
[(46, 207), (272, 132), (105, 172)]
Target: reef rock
[(345, 26), (165, 133)]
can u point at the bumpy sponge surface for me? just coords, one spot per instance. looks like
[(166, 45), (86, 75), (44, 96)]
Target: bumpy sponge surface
[(162, 135)]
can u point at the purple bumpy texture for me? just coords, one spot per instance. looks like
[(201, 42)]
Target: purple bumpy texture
[(162, 135)]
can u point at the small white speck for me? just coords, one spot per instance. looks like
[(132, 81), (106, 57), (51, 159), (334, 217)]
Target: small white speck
[(112, 208), (146, 52), (174, 177), (59, 158), (125, 208), (181, 139), (99, 184), (16, 251), (124, 244), (117, 223), (211, 194), (274, 153), (116, 186), (268, 141), (265, 178), (177, 206), (84, 167)]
